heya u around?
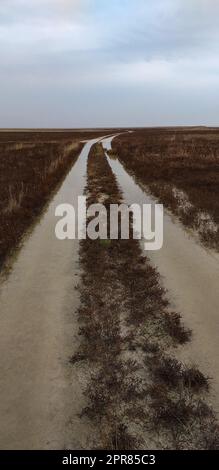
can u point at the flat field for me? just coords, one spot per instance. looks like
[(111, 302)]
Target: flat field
[(104, 344)]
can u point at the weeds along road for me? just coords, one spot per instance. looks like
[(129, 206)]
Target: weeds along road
[(190, 274), (37, 326)]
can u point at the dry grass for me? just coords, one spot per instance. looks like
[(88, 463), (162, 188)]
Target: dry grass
[(175, 374), (183, 159), (14, 200)]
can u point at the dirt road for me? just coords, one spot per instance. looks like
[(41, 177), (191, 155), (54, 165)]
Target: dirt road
[(191, 275), (40, 398), (38, 326)]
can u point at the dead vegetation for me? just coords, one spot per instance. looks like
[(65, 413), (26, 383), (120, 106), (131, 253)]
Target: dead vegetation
[(137, 395), (180, 167), (14, 200), (174, 374)]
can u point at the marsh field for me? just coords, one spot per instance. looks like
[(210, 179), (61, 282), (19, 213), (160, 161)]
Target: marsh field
[(104, 345)]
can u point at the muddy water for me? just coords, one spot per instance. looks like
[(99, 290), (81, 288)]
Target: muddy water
[(38, 393), (191, 275)]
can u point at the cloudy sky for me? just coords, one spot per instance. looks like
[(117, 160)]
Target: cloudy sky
[(83, 63)]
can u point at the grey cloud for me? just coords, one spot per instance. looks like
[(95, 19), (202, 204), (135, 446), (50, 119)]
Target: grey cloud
[(158, 57)]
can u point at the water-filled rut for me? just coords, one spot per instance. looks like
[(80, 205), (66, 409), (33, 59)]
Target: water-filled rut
[(38, 395), (190, 274)]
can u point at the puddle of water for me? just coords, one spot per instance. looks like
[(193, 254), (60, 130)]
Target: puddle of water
[(37, 327), (191, 275)]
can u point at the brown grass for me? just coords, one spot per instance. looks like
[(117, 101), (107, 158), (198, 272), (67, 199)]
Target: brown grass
[(174, 374), (185, 159)]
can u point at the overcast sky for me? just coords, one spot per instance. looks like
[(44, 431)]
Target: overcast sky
[(85, 63)]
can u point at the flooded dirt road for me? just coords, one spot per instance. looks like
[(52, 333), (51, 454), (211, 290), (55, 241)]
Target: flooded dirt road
[(191, 275), (39, 396)]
